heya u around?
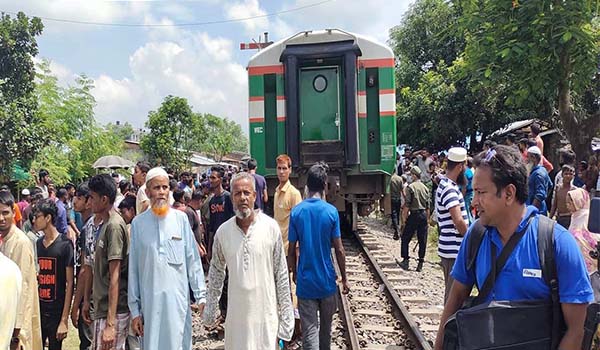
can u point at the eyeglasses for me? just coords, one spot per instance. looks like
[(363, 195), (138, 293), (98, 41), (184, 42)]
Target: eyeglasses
[(491, 155)]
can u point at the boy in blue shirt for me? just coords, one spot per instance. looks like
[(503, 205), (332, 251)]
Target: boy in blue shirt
[(315, 227)]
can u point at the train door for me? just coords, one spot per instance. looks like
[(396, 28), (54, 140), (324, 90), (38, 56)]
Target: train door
[(319, 104)]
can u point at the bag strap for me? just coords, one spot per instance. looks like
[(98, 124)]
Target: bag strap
[(548, 264), (498, 264), (475, 238)]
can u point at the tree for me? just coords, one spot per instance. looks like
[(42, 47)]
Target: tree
[(123, 131), (433, 95), (544, 52), (223, 136), (22, 131), (17, 48), (75, 140), (171, 135)]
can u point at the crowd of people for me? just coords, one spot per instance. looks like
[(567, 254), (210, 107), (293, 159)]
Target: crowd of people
[(129, 262), (125, 261), (498, 191)]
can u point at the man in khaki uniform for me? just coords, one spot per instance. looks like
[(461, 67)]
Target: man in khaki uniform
[(396, 193), (417, 203), (16, 246), (286, 197)]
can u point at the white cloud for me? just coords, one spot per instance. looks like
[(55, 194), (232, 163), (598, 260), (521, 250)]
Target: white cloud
[(246, 9), (84, 11), (63, 74), (198, 63), (196, 66), (372, 18)]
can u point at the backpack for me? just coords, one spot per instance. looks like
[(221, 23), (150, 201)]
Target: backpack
[(545, 251), (545, 325)]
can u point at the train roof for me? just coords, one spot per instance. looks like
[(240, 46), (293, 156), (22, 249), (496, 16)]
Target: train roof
[(271, 55)]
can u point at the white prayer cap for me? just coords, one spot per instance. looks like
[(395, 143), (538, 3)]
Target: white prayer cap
[(25, 192), (534, 150), (155, 172), (457, 154)]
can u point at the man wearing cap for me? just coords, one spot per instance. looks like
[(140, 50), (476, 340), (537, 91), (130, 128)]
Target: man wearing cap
[(417, 203), (539, 182), (24, 202), (451, 212), (164, 265)]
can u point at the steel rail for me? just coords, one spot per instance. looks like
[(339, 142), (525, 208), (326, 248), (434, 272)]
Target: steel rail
[(410, 327), (346, 314)]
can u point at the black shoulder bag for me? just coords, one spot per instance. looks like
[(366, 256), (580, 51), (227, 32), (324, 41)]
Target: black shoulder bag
[(509, 325)]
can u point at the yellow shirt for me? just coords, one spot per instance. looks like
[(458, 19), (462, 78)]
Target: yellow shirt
[(18, 248), (286, 197)]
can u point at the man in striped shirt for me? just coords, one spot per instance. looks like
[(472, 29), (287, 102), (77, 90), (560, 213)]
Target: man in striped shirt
[(451, 213)]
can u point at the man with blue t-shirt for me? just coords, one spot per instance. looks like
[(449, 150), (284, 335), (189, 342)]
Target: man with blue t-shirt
[(260, 183), (315, 226), (539, 182), (451, 213), (500, 186), (469, 189)]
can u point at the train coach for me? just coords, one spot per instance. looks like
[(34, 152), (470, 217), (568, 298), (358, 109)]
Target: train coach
[(327, 96)]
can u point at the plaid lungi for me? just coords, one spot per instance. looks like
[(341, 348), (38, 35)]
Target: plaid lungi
[(121, 332)]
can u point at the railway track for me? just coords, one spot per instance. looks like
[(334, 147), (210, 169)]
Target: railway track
[(384, 309)]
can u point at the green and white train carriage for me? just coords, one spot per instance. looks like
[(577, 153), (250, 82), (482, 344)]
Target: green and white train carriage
[(326, 96)]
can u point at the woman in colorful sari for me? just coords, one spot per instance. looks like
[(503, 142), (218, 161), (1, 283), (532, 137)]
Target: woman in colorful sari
[(578, 202)]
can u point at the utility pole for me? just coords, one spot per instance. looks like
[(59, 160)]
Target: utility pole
[(257, 45)]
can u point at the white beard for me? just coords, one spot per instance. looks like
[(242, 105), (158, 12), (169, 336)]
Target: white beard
[(243, 214)]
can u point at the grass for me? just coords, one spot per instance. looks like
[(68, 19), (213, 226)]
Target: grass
[(72, 341)]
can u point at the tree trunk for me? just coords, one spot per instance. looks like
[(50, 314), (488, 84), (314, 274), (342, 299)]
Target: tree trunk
[(579, 129)]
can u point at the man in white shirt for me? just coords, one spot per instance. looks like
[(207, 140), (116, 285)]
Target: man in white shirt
[(139, 179), (10, 284)]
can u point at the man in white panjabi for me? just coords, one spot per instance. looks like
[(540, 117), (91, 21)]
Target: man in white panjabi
[(250, 246)]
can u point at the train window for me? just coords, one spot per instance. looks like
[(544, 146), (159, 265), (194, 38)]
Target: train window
[(371, 80), (320, 83)]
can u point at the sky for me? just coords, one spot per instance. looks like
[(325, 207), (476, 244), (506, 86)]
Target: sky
[(135, 67)]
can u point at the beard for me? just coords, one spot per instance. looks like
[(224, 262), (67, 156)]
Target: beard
[(461, 180), (243, 213), (160, 208), (529, 166)]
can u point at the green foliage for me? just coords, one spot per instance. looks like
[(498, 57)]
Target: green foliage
[(222, 137), (545, 54), (22, 131), (123, 131), (171, 135), (75, 139), (17, 47), (427, 35), (433, 95), (520, 43), (176, 131)]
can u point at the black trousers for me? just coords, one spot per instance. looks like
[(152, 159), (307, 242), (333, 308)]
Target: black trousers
[(416, 222), (564, 221), (396, 210), (223, 298), (50, 322), (84, 331)]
